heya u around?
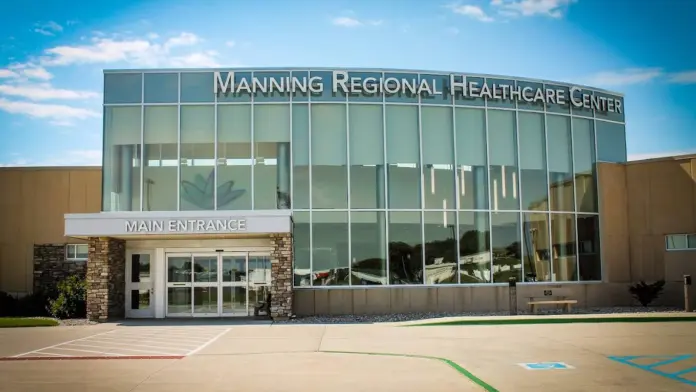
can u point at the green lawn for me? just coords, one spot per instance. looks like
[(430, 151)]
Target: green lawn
[(14, 322)]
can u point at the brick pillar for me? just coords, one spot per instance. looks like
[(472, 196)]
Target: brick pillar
[(106, 279), (281, 276)]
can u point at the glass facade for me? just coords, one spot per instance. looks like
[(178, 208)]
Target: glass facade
[(385, 188)]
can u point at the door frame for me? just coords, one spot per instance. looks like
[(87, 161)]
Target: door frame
[(130, 285), (219, 283)]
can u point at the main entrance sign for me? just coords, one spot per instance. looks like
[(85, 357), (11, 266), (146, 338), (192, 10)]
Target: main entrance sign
[(185, 226), (444, 85)]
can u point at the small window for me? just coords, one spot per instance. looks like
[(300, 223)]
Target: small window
[(676, 242), (76, 251), (691, 242)]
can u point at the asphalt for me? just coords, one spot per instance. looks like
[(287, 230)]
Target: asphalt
[(217, 356)]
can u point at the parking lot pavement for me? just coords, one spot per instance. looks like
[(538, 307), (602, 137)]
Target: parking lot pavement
[(132, 342), (565, 357)]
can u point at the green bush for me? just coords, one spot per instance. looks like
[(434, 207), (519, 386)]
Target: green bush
[(70, 302), (646, 293), (32, 305)]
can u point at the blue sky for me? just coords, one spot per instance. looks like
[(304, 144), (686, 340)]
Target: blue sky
[(52, 54)]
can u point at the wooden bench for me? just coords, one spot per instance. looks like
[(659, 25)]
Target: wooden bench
[(551, 296)]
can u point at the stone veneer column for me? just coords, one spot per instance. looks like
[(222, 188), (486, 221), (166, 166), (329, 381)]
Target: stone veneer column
[(281, 276), (106, 279)]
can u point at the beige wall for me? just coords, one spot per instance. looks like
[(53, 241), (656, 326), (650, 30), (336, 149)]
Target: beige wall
[(640, 203), (32, 204)]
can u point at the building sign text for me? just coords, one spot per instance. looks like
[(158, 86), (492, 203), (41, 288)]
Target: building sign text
[(186, 226), (461, 86)]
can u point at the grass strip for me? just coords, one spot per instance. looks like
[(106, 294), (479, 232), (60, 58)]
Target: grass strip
[(450, 363), (16, 322)]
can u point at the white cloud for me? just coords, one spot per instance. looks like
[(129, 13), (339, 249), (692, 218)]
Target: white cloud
[(50, 28), (46, 111), (37, 73), (550, 8), (183, 39), (196, 60), (624, 77), (471, 11), (6, 73), (345, 21), (685, 77), (44, 91), (135, 51), (230, 43)]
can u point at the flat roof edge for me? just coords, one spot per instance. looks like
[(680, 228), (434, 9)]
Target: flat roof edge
[(358, 69)]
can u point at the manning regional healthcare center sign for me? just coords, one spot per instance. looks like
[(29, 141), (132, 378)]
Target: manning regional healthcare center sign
[(457, 84)]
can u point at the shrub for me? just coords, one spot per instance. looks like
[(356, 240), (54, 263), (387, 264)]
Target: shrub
[(70, 302), (8, 304), (646, 293)]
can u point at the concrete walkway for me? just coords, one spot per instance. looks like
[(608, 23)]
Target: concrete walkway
[(616, 357)]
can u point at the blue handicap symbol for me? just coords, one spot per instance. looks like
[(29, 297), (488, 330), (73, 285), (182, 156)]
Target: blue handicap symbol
[(545, 365)]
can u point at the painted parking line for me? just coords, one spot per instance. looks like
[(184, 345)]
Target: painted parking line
[(130, 343), (653, 363)]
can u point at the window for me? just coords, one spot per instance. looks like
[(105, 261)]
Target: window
[(680, 242), (76, 251)]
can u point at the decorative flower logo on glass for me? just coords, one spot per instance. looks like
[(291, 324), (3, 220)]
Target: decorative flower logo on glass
[(200, 192)]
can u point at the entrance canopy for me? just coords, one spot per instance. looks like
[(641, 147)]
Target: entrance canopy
[(177, 223)]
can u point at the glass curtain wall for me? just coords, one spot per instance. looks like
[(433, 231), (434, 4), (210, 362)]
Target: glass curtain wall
[(393, 189)]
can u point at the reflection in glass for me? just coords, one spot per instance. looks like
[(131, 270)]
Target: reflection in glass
[(563, 245), (503, 160), (161, 87), (611, 142), (234, 269), (300, 155), (198, 158), (368, 248), (234, 300), (585, 173), (403, 157), (234, 157), (405, 248), (330, 248), (440, 247), (161, 157), (301, 249), (259, 270), (438, 157), (205, 269), (123, 88), (178, 300), (205, 300), (505, 239), (474, 247), (588, 247), (140, 299), (561, 189), (179, 270), (472, 181), (140, 268), (271, 157), (195, 87), (121, 159), (366, 156), (533, 161), (535, 232), (329, 156)]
